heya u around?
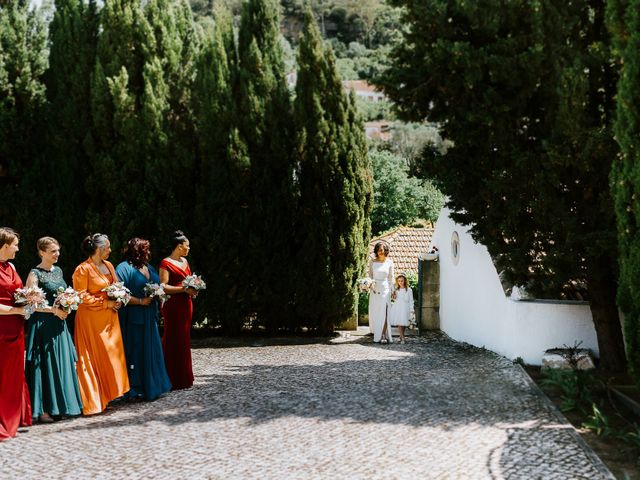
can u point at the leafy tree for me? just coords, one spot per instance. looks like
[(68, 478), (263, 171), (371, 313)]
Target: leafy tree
[(335, 188), (73, 37), (224, 190), (23, 164), (525, 92), (142, 119), (265, 126), (624, 22), (398, 198)]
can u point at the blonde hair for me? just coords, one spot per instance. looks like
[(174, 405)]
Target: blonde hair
[(45, 242), (406, 283)]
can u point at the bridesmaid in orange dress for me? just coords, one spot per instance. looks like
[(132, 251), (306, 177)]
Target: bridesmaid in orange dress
[(15, 408), (101, 367), (177, 313)]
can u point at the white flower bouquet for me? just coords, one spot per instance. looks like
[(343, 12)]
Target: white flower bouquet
[(155, 290), (67, 299), (32, 298), (366, 284), (195, 282), (118, 292)]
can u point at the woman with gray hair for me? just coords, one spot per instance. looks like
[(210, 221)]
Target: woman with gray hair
[(101, 367)]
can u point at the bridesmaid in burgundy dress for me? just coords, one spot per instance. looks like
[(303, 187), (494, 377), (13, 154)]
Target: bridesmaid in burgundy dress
[(15, 408), (177, 313)]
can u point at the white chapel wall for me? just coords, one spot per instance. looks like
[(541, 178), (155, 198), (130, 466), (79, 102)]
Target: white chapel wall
[(474, 308)]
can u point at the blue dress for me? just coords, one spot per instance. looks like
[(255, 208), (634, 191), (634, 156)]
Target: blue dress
[(142, 346)]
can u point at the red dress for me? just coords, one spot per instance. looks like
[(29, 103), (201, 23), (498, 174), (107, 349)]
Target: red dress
[(15, 407), (176, 339)]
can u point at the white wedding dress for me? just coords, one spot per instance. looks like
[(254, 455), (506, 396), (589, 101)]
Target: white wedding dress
[(383, 275)]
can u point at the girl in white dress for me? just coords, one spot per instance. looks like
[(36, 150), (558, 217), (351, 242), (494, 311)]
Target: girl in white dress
[(401, 306), (381, 271)]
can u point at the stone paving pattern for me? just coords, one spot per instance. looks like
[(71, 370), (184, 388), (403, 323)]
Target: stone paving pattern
[(345, 409)]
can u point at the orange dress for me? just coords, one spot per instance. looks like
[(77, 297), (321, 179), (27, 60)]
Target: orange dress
[(101, 367)]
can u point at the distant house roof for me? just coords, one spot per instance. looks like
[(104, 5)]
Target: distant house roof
[(360, 86), (406, 245), (378, 130)]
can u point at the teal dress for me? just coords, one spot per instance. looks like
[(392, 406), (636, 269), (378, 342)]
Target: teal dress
[(142, 346), (50, 366)]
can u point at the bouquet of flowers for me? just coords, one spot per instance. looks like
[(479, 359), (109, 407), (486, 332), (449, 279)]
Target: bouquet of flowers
[(195, 282), (155, 290), (32, 298), (67, 299), (366, 284), (118, 292), (394, 297)]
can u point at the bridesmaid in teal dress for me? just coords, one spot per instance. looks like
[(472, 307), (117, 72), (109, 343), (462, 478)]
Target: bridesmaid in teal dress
[(51, 357), (139, 323)]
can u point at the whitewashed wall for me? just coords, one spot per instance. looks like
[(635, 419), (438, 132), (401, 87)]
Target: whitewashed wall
[(474, 308)]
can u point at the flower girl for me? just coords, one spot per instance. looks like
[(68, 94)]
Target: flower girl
[(401, 306)]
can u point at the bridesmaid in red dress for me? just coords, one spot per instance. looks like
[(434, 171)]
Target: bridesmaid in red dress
[(177, 313), (15, 407)]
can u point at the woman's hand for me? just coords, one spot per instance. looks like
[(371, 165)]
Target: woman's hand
[(61, 314), (144, 301), (19, 311), (113, 305)]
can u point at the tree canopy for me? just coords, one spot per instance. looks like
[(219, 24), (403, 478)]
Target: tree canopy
[(524, 91)]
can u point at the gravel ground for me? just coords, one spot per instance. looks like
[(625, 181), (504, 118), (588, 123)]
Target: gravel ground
[(339, 409)]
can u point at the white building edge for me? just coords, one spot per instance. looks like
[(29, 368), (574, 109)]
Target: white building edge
[(475, 309)]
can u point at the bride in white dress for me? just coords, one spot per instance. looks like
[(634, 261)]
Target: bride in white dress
[(381, 271)]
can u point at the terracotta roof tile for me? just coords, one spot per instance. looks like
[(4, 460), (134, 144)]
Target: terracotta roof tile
[(406, 245)]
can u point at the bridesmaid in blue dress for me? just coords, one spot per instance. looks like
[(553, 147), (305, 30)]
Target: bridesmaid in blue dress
[(139, 323)]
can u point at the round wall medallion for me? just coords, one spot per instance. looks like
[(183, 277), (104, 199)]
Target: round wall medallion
[(455, 248)]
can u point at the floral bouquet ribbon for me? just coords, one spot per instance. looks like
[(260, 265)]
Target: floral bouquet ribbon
[(195, 282), (68, 299), (155, 290), (118, 292), (32, 298)]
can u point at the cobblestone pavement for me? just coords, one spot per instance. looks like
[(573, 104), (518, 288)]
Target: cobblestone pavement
[(346, 409)]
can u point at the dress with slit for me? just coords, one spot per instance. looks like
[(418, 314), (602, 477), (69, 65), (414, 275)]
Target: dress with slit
[(15, 406)]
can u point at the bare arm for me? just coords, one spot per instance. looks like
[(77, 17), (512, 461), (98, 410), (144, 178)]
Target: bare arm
[(164, 281), (7, 310)]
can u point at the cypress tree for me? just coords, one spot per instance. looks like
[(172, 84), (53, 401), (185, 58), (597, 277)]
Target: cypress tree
[(73, 36), (624, 23), (143, 124), (25, 178), (223, 190), (526, 96), (335, 188), (172, 169), (265, 121), (117, 162)]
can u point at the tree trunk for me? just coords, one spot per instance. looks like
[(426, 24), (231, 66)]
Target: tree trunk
[(602, 286)]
